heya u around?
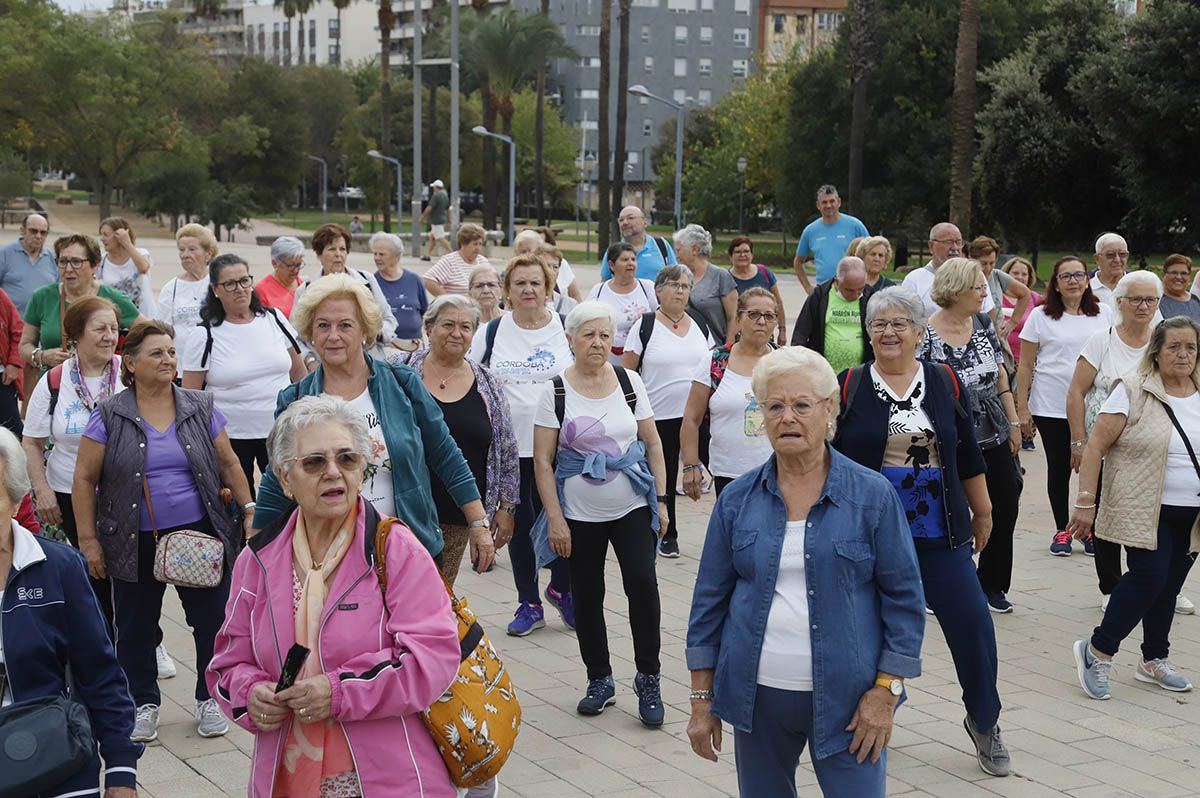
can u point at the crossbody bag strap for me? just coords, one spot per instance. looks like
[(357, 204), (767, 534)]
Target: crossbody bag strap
[(150, 508), (1187, 444), (62, 314)]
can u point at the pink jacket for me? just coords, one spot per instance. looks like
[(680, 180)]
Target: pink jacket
[(385, 666)]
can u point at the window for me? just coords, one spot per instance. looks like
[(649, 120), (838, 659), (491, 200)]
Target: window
[(741, 7), (705, 67), (706, 5), (589, 125), (741, 67), (802, 24), (589, 62), (587, 30), (704, 97), (646, 3), (647, 127), (679, 96), (741, 37), (333, 28), (250, 38), (828, 21), (334, 56), (633, 157), (645, 33), (777, 21), (648, 65), (681, 34), (312, 38), (681, 6), (681, 67), (587, 94), (312, 55), (706, 35)]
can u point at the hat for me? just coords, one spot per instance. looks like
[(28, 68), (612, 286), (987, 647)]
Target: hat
[(437, 184)]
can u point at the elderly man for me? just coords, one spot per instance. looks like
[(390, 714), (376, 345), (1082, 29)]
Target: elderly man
[(652, 253), (825, 240), (1112, 260), (833, 320), (27, 263), (945, 242)]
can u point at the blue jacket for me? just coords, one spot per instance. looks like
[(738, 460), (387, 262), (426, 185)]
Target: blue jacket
[(52, 621), (863, 431), (865, 597), (418, 442)]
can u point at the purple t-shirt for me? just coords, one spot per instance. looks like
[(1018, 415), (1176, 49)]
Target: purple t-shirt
[(173, 490)]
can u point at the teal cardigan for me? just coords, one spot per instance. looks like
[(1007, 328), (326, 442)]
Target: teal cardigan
[(417, 440)]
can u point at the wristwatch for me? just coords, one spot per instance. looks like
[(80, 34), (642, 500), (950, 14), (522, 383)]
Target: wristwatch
[(894, 686), (479, 523), (662, 499)]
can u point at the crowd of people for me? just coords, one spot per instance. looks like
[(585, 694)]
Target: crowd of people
[(866, 477)]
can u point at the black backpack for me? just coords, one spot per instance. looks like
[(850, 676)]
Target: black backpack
[(648, 325), (560, 393), (208, 341)]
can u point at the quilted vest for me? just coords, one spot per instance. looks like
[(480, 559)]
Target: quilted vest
[(1135, 467)]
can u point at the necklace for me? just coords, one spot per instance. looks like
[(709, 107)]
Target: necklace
[(674, 322), (537, 325), (442, 381)]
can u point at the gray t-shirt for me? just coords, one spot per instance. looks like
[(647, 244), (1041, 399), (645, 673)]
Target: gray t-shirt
[(1173, 307), (439, 201), (706, 298), (998, 282)]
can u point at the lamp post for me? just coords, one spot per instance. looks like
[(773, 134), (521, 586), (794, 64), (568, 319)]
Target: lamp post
[(639, 90), (324, 185), (399, 181), (480, 130), (741, 167)]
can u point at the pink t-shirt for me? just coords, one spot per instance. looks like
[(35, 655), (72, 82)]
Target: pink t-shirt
[(1014, 337)]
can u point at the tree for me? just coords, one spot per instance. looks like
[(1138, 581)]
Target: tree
[(14, 179), (561, 147), (863, 42), (604, 208), (207, 9), (539, 135), (289, 12), (302, 8), (619, 153), (340, 5), (962, 140), (387, 18)]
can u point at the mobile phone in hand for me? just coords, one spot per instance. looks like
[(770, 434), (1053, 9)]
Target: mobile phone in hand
[(291, 667)]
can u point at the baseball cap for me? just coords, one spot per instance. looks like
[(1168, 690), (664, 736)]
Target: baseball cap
[(438, 184)]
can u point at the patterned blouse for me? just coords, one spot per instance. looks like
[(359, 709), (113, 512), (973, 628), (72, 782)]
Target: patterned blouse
[(978, 364)]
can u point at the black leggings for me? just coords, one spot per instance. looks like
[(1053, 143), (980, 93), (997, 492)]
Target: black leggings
[(99, 586), (668, 433), (250, 451), (1108, 554), (1056, 441), (1004, 490)]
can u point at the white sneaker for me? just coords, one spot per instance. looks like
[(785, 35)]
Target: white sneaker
[(166, 666), (1184, 606), (209, 720), (145, 724)]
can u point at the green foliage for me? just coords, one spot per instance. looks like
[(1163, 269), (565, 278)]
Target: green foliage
[(559, 150), (14, 178)]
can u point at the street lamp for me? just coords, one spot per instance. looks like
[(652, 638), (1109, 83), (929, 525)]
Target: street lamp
[(639, 90), (480, 130), (399, 182), (741, 167), (324, 185)]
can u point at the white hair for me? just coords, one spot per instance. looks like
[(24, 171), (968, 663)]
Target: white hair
[(456, 301), (897, 296), (527, 235), (1132, 280), (1109, 238), (16, 475), (694, 236), (850, 264), (286, 247), (796, 360), (391, 239), (589, 310), (306, 412)]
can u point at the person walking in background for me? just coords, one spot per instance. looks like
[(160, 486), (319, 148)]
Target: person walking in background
[(876, 252), (1001, 286), (1111, 261), (278, 289), (13, 365), (747, 274), (27, 264), (627, 294), (403, 288), (435, 212), (484, 288), (652, 252), (825, 239), (714, 293), (452, 271), (180, 300), (833, 321), (125, 266), (1177, 300)]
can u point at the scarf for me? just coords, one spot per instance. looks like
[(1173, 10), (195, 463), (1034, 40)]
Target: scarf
[(108, 383)]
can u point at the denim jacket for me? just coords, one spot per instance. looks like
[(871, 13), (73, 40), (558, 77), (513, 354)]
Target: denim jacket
[(865, 598)]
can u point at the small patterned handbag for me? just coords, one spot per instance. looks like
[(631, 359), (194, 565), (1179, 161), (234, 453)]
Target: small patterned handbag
[(186, 558)]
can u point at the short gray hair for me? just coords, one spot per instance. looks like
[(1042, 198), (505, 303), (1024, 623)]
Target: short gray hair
[(897, 296), (391, 239), (1109, 238), (480, 269), (456, 301), (826, 190), (672, 271), (1130, 281), (309, 411), (586, 311), (1158, 338), (694, 236), (286, 247), (16, 473), (796, 360), (848, 264)]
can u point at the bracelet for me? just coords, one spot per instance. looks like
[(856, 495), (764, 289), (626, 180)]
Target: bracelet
[(1079, 444), (1014, 424), (248, 505), (479, 523), (662, 498), (1086, 493), (1091, 506), (35, 358), (700, 695), (511, 510), (688, 468)]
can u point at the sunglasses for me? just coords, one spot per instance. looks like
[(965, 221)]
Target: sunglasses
[(317, 462)]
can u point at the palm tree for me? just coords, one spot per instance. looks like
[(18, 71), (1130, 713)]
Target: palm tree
[(340, 5), (619, 154), (289, 12), (302, 8), (864, 27), (962, 134), (603, 213), (387, 18), (539, 135), (207, 9)]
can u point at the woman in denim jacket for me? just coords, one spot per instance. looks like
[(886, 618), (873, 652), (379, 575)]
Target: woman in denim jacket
[(807, 611)]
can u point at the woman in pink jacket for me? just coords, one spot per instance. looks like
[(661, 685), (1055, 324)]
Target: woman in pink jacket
[(350, 725)]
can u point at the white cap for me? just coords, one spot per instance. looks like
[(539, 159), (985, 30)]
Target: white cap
[(437, 184)]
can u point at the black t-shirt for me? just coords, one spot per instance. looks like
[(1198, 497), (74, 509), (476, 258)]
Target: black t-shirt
[(471, 428)]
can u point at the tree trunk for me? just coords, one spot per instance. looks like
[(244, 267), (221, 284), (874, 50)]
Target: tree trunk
[(604, 198), (339, 41), (539, 137), (864, 23), (489, 157), (619, 154), (386, 19), (506, 118), (301, 40), (431, 164), (962, 141), (103, 191)]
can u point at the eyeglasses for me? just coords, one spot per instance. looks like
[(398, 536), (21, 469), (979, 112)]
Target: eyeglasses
[(317, 462), (880, 326), (292, 267), (1141, 301), (35, 232), (73, 263), (743, 251), (233, 285), (1068, 277), (774, 410), (675, 285), (490, 285), (1115, 255), (950, 242), (761, 315)]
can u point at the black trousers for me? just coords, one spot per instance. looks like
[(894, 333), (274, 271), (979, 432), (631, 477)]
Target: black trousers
[(668, 433), (720, 483), (1004, 489), (1056, 442), (1108, 554), (250, 451), (635, 545), (99, 586), (10, 413)]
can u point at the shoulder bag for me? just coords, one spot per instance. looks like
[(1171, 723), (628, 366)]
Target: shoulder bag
[(43, 742), (185, 558)]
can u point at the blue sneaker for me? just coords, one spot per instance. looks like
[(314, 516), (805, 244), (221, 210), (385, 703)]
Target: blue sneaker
[(650, 705), (1089, 545), (1027, 445), (1093, 672), (563, 603), (527, 618), (601, 693), (1060, 546)]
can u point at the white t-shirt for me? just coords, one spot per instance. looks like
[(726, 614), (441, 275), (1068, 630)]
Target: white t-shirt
[(66, 428), (377, 485), (1103, 292), (522, 360), (179, 304), (566, 276), (1112, 358), (125, 278), (920, 282), (739, 436), (669, 363), (597, 425), (247, 368), (1181, 486), (785, 662), (629, 308), (1059, 344)]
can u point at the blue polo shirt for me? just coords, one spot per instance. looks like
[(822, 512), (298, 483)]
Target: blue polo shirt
[(827, 243), (20, 275), (650, 259)]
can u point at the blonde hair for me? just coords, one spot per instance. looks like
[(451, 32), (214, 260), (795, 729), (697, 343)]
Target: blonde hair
[(953, 278), (528, 260), (798, 360), (201, 234), (869, 243), (337, 286)]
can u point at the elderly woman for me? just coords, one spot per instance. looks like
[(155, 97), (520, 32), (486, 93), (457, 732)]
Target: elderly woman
[(600, 474), (278, 289), (126, 266), (245, 356), (409, 437), (666, 347), (909, 419), (450, 273), (525, 349), (42, 343), (369, 673), (721, 390), (551, 255), (807, 540), (876, 252), (714, 293), (985, 250), (1146, 436), (41, 642), (747, 274), (404, 290), (962, 337), (1023, 272), (476, 411), (484, 288), (1053, 337), (629, 296), (180, 300), (567, 284), (156, 440), (1177, 300)]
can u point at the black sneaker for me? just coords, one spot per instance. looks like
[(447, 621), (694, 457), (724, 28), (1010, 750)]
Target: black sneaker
[(650, 706), (669, 548), (998, 602), (601, 693)]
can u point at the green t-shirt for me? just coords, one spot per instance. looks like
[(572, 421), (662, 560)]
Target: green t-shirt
[(42, 312), (843, 332), (439, 201)]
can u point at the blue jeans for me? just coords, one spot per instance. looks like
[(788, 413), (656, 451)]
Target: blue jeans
[(768, 756)]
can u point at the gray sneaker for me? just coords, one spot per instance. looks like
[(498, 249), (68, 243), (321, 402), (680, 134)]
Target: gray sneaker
[(989, 749), (209, 720), (1093, 672), (1162, 673), (145, 724)]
